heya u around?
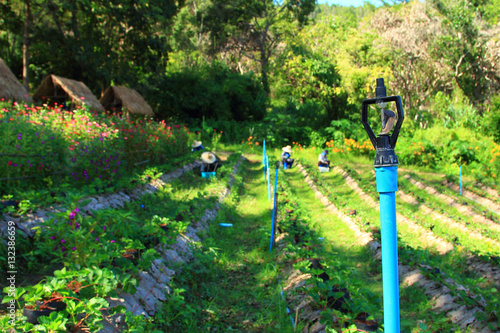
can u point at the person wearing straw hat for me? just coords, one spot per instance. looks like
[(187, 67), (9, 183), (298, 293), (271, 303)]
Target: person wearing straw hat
[(196, 145), (285, 157), (323, 159), (210, 162)]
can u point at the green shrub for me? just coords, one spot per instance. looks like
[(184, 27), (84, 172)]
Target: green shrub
[(211, 91)]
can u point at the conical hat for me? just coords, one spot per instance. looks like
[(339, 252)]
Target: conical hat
[(288, 149), (208, 157), (196, 144)]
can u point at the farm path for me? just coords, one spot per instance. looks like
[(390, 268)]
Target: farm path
[(472, 195), (232, 284), (449, 222)]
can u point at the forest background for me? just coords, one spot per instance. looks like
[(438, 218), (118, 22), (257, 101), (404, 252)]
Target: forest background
[(288, 72)]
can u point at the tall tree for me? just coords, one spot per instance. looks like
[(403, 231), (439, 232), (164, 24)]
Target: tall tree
[(254, 29), (96, 41)]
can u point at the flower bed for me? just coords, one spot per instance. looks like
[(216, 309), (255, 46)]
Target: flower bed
[(80, 147)]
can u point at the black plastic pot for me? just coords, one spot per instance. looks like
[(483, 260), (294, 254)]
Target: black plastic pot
[(362, 323), (338, 303), (317, 265), (50, 307)]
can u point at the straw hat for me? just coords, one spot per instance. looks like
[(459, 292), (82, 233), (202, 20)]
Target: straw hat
[(196, 144), (287, 149), (208, 157)]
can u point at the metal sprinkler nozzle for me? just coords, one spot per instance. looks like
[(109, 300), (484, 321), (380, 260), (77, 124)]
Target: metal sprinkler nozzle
[(389, 120)]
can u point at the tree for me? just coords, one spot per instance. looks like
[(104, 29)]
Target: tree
[(94, 41), (254, 29), (464, 48)]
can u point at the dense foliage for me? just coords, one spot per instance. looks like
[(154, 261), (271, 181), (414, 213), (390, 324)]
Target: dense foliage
[(285, 72), (80, 147)]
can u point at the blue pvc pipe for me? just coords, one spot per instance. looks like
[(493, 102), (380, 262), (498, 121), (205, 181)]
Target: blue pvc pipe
[(264, 158), (268, 181), (387, 185), (460, 180), (274, 208)]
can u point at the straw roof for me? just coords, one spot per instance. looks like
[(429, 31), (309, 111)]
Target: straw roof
[(61, 89), (117, 97), (10, 87)]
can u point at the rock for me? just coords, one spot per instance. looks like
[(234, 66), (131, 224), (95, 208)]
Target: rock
[(151, 303), (133, 305)]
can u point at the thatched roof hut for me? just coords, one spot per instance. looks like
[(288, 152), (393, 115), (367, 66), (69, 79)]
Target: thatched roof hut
[(10, 87), (59, 89), (119, 97)]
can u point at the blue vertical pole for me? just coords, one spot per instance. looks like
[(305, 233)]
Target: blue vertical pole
[(460, 180), (274, 207), (386, 162), (264, 159), (268, 181), (387, 185)]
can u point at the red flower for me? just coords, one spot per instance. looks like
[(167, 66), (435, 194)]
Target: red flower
[(9, 163)]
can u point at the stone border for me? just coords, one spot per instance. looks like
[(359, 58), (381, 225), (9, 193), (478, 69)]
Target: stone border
[(155, 283), (439, 293), (98, 202)]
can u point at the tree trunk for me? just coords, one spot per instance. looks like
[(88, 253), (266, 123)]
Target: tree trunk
[(26, 45)]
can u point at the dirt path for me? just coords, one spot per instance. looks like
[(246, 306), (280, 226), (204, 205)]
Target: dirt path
[(446, 220)]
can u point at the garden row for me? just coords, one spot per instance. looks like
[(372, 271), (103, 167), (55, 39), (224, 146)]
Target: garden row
[(419, 247), (119, 252), (323, 288)]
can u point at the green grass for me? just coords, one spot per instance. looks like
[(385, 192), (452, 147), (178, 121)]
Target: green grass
[(232, 285)]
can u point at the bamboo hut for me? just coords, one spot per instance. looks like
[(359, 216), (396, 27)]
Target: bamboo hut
[(10, 87), (119, 98), (60, 90)]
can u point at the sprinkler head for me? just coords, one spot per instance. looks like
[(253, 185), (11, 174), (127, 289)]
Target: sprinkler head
[(384, 143)]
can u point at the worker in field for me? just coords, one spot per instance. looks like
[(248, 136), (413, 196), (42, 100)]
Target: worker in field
[(286, 159), (196, 145), (323, 159), (210, 162)]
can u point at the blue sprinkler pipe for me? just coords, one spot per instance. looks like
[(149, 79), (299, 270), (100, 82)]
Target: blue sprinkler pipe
[(264, 158), (268, 181), (460, 180), (386, 163), (273, 226)]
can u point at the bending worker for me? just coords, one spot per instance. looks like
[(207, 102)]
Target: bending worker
[(196, 145), (285, 157), (323, 159), (210, 162)]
